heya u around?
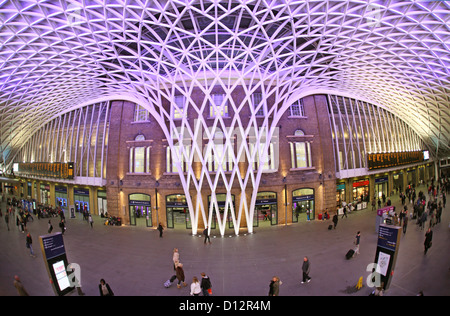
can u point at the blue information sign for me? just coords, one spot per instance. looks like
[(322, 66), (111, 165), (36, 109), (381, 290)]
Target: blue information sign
[(53, 245)]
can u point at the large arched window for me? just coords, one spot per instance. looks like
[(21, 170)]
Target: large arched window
[(300, 151)]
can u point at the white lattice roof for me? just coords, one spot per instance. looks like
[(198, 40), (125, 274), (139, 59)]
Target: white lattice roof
[(58, 55)]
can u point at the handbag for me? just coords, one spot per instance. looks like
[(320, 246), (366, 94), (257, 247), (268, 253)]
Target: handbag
[(209, 291)]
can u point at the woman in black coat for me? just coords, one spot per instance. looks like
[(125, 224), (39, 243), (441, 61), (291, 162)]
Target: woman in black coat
[(428, 239), (104, 289)]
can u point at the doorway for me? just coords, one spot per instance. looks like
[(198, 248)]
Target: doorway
[(140, 210)]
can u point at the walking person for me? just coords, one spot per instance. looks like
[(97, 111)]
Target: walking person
[(175, 258), (29, 244), (19, 286), (180, 274), (428, 240), (50, 227), (206, 285), (195, 287), (306, 267), (345, 211), (7, 219), (206, 234), (274, 286), (335, 220), (62, 225), (160, 229), (91, 221), (104, 289), (405, 222), (357, 240)]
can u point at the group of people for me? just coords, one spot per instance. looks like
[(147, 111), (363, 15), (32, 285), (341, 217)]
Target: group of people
[(204, 287)]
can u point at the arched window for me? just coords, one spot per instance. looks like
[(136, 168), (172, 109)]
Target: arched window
[(300, 151)]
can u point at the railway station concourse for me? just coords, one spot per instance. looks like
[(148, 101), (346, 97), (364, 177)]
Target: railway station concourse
[(257, 121)]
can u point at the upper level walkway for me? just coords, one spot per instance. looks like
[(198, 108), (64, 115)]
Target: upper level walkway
[(135, 261)]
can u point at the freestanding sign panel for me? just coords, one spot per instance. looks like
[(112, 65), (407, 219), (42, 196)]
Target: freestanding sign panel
[(55, 259), (387, 250), (380, 216)]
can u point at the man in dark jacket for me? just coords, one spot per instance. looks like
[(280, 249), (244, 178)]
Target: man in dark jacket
[(206, 285), (305, 269), (428, 239)]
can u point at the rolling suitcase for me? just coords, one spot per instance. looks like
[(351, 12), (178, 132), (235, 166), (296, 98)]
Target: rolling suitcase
[(350, 254), (169, 282), (330, 227)]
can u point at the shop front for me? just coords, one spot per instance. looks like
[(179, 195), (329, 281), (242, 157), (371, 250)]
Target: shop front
[(102, 203), (81, 197), (397, 179), (361, 190), (177, 212), (303, 205), (140, 209), (45, 194), (266, 212), (61, 197), (381, 188), (340, 194)]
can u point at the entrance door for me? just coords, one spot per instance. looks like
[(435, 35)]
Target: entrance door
[(266, 212), (303, 205), (177, 212), (140, 210), (141, 215)]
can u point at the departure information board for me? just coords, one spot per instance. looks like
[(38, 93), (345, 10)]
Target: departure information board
[(60, 170), (387, 160)]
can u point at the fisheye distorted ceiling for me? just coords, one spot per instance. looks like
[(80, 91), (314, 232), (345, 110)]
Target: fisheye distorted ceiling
[(58, 55)]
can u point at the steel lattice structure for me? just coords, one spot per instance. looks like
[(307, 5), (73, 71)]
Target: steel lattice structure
[(57, 56)]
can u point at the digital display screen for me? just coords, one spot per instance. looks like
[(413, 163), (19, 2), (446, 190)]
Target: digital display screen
[(61, 275), (388, 160), (426, 155)]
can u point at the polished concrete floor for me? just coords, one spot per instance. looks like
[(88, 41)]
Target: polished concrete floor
[(136, 262)]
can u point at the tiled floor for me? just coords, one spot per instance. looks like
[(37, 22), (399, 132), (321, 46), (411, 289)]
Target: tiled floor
[(135, 261)]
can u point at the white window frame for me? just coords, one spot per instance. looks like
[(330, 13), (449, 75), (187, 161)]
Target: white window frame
[(140, 114), (297, 109)]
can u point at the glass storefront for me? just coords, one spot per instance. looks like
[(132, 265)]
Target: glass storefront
[(266, 212), (361, 191), (177, 212), (140, 210), (102, 203), (303, 205), (61, 197), (398, 182), (81, 197), (381, 188), (45, 194), (340, 194)]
